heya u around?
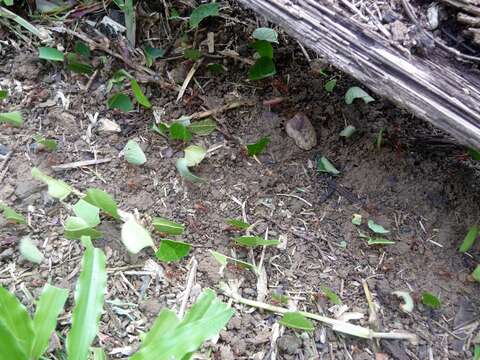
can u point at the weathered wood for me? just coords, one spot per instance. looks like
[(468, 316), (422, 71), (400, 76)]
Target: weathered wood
[(440, 94)]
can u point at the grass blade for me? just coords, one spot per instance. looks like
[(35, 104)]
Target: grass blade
[(49, 306), (42, 35), (89, 297), (11, 349)]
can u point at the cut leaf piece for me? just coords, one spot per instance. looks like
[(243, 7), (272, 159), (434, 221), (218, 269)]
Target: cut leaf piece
[(56, 188), (266, 34), (82, 49), (263, 68), (74, 64), (357, 219), (379, 241), (296, 320), (194, 155), (167, 226), (330, 294), (102, 200), (324, 165), (192, 54), (11, 215), (179, 131), (51, 54), (357, 93), (476, 274), (263, 48), (12, 348), (379, 229), (3, 94), (152, 54), (330, 85), (408, 304), (253, 241), (133, 153), (139, 95), (238, 224), (225, 260), (88, 212), (203, 127), (430, 300), (474, 154), (469, 239), (182, 167), (120, 101), (47, 144), (89, 297), (258, 147), (30, 251), (201, 12), (76, 227), (171, 250), (49, 306), (348, 131), (135, 237), (13, 118)]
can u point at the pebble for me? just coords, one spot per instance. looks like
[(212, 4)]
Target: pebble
[(300, 129), (289, 344), (4, 150)]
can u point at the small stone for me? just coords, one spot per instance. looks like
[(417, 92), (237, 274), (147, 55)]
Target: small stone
[(289, 344), (4, 150), (399, 30), (300, 129)]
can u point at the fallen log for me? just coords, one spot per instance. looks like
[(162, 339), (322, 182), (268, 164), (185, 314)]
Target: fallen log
[(441, 92)]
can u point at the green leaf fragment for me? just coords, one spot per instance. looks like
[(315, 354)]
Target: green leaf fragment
[(253, 241), (357, 219), (266, 34), (82, 49), (74, 64), (216, 69), (476, 352), (263, 48), (12, 348), (47, 144), (179, 131), (88, 212), (167, 226), (194, 155), (152, 54), (3, 94), (296, 320), (56, 188), (121, 102), (263, 68), (324, 165), (330, 85), (135, 237), (98, 354), (379, 241), (51, 54), (474, 154), (30, 251), (203, 127), (102, 200), (192, 54), (430, 300), (13, 118), (201, 12), (476, 274), (348, 131), (469, 239), (75, 228), (225, 260), (379, 229), (11, 215), (139, 95), (238, 224), (133, 153), (171, 250), (258, 147), (357, 93), (182, 167), (330, 294)]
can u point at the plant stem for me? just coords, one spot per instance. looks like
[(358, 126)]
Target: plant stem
[(42, 35)]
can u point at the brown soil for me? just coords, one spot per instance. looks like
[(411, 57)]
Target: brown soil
[(424, 191)]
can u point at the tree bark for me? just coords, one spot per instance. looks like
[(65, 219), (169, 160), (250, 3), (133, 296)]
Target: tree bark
[(431, 89)]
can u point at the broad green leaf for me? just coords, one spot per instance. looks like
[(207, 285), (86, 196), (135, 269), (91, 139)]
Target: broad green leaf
[(430, 300), (379, 241), (135, 237), (253, 241), (263, 68), (51, 54), (139, 95), (88, 212), (357, 93), (474, 154), (47, 144), (476, 274), (201, 12), (102, 200), (133, 153), (152, 54), (77, 66), (76, 227), (192, 54), (13, 118), (170, 338), (263, 48), (179, 131), (3, 94), (12, 215), (29, 250), (11, 347), (469, 239), (194, 155), (258, 147), (98, 354), (379, 229), (266, 34), (89, 297), (357, 219), (330, 294), (324, 165), (182, 167), (238, 224), (120, 101), (295, 320), (82, 49), (56, 188), (348, 131), (167, 226), (330, 85), (16, 319), (203, 127), (224, 260), (49, 306), (171, 250)]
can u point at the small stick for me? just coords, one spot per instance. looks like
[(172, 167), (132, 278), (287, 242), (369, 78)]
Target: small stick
[(4, 167), (188, 78), (188, 287), (90, 81), (78, 164)]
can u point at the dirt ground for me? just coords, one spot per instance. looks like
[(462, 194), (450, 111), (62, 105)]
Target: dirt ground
[(417, 183)]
